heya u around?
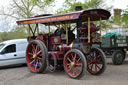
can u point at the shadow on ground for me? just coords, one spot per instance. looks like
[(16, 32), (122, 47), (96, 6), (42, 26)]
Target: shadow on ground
[(12, 66)]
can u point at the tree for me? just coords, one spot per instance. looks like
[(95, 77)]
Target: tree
[(69, 5), (120, 17), (23, 9), (124, 17)]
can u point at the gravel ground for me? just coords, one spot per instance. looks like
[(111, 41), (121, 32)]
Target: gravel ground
[(20, 75)]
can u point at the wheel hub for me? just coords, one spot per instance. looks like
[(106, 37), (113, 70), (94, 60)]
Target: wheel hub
[(34, 56), (94, 61), (72, 64)]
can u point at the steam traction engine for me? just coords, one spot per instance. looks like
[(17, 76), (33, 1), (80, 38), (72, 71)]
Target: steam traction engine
[(65, 48)]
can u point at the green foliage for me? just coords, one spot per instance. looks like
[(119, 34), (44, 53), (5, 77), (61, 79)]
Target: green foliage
[(70, 8), (12, 35), (117, 20), (121, 20), (42, 3), (26, 8), (93, 3), (17, 33), (69, 5), (125, 17), (22, 9)]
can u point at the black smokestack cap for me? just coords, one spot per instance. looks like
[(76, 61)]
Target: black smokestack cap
[(78, 8)]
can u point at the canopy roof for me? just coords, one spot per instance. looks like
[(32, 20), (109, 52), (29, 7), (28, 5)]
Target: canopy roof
[(93, 14)]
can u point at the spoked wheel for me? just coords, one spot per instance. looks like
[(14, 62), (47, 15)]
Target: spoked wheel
[(36, 56), (96, 61), (74, 63)]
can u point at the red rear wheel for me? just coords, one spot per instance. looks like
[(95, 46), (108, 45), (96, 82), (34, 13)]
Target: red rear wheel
[(96, 61), (36, 56), (74, 63)]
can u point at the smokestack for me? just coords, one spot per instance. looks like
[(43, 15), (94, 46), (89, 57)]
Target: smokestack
[(117, 12), (78, 8)]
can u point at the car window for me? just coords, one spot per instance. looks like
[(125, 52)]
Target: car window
[(1, 46), (10, 49)]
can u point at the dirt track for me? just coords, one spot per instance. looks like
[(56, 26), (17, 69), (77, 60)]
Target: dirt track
[(114, 75)]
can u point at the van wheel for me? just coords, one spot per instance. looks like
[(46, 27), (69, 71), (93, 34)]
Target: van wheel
[(36, 56), (118, 57)]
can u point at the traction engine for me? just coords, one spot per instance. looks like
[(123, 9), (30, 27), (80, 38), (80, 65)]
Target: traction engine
[(64, 48)]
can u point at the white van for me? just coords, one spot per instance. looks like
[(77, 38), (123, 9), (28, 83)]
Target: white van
[(13, 52)]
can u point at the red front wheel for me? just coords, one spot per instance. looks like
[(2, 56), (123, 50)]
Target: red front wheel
[(74, 63), (36, 56), (96, 61)]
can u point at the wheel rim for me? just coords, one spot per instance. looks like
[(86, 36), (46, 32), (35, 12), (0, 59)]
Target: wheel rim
[(34, 57), (119, 57), (73, 65), (96, 63), (41, 38)]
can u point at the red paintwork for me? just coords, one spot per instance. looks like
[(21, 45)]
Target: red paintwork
[(60, 51), (85, 43), (85, 27), (64, 47), (59, 54), (55, 40)]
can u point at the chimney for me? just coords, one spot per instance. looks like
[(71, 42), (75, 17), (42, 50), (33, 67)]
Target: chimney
[(78, 8), (117, 12)]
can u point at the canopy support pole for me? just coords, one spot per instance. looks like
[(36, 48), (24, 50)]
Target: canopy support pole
[(88, 29), (37, 29), (66, 33), (31, 30), (100, 31), (29, 34), (48, 28)]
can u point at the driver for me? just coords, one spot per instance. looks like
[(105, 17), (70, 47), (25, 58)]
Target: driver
[(59, 31)]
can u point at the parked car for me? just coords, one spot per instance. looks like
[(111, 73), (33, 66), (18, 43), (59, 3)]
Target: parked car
[(13, 52)]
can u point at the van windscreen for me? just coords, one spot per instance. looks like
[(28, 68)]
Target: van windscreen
[(1, 46)]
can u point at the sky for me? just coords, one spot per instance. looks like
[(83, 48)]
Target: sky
[(121, 4)]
